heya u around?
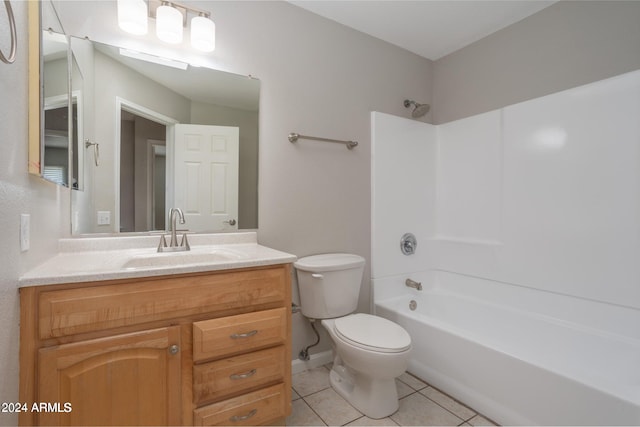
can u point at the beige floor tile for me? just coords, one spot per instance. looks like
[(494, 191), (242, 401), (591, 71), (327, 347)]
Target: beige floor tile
[(294, 394), (310, 381), (332, 408), (479, 420), (412, 381), (403, 389), (417, 410), (366, 421), (448, 403), (303, 415)]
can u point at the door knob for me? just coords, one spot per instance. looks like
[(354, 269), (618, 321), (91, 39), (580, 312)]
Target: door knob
[(230, 222)]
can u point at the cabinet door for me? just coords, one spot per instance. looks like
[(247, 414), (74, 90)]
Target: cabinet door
[(130, 379)]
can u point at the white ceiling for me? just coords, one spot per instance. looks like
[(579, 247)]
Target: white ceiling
[(429, 28)]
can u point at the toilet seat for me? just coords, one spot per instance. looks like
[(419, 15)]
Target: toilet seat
[(372, 333)]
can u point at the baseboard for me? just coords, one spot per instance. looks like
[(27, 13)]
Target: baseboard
[(314, 361)]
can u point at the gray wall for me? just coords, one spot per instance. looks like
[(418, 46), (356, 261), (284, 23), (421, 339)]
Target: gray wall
[(127, 175), (144, 131), (568, 44), (20, 193)]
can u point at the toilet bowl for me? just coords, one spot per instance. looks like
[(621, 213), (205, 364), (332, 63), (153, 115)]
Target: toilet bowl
[(370, 352)]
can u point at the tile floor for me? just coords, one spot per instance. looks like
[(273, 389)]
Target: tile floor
[(315, 403)]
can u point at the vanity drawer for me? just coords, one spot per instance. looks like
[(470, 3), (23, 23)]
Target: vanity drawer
[(237, 334), (79, 310), (216, 380), (255, 408)]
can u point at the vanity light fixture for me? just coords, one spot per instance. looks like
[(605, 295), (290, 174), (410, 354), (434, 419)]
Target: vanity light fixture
[(203, 33), (169, 24), (132, 16), (171, 19)]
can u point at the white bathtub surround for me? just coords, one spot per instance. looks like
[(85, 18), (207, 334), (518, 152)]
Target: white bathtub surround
[(107, 258), (516, 356), (528, 234), (403, 159)]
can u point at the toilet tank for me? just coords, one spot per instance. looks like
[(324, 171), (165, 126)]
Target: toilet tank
[(329, 284)]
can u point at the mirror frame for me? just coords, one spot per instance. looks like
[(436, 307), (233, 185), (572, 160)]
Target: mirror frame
[(35, 89)]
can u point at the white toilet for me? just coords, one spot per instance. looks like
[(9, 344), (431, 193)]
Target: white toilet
[(369, 351)]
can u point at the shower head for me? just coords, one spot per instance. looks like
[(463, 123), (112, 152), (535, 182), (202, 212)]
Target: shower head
[(419, 110)]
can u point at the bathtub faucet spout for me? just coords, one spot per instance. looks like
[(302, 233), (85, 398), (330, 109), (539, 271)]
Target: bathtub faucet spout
[(413, 284)]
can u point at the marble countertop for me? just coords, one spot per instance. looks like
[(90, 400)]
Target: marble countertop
[(108, 258)]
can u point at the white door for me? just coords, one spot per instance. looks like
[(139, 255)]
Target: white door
[(206, 176)]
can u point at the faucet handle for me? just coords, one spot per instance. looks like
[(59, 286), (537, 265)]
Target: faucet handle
[(163, 243), (185, 242), (408, 244)]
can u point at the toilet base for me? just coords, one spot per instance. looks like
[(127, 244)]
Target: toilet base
[(375, 398)]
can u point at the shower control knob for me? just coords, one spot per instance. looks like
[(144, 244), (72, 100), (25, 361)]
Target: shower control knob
[(408, 244)]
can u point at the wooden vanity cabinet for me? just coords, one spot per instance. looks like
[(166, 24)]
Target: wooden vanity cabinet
[(195, 349)]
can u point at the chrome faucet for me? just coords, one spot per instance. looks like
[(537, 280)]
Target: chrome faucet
[(413, 284), (173, 243)]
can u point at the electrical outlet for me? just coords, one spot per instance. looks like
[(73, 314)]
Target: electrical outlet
[(25, 225), (104, 217)]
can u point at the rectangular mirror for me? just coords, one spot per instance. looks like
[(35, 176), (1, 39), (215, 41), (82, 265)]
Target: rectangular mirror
[(55, 154), (52, 106), (158, 134)]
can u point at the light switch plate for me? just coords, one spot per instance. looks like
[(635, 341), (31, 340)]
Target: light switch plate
[(104, 217)]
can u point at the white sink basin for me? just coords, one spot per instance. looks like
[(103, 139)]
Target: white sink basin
[(172, 259)]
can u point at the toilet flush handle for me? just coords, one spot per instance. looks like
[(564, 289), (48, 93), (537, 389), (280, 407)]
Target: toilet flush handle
[(317, 276)]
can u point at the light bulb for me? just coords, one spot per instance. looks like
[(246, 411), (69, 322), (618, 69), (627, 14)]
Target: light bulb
[(203, 34), (169, 24), (132, 16)]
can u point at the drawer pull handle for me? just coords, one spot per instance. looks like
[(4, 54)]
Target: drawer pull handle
[(245, 335), (243, 376), (237, 418)]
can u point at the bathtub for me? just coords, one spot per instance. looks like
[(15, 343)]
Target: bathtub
[(521, 356)]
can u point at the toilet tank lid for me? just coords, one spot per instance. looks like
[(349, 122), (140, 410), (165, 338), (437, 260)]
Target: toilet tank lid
[(329, 262)]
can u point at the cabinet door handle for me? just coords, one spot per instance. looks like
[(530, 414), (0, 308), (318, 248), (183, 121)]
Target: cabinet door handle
[(243, 376), (174, 349), (244, 335), (236, 418)]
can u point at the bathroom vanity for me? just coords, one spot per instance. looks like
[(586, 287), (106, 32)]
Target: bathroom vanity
[(195, 343)]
